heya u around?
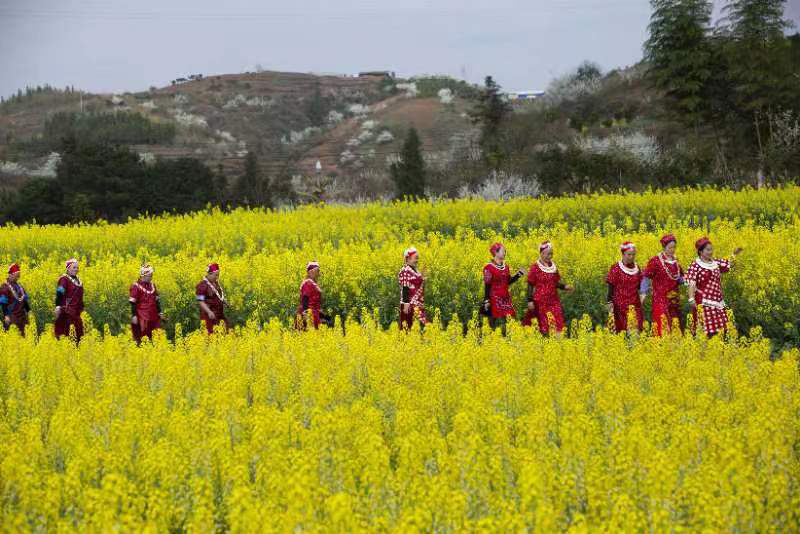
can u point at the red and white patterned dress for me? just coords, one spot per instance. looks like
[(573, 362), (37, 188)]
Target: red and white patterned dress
[(413, 281), (545, 280), (626, 282), (498, 278), (707, 278), (666, 275)]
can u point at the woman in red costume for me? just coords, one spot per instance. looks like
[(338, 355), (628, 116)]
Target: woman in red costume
[(69, 302), (412, 291), (665, 275), (211, 299), (704, 277), (145, 303), (544, 281), (497, 279), (310, 305), (624, 281)]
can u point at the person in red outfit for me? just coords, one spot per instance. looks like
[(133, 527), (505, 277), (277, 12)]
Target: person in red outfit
[(14, 301), (412, 291), (311, 301), (211, 299), (704, 277), (497, 279), (665, 275), (145, 303), (624, 282), (69, 302), (544, 281)]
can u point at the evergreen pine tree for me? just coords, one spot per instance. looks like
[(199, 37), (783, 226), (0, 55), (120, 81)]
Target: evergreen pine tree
[(409, 173), (679, 54), (490, 112)]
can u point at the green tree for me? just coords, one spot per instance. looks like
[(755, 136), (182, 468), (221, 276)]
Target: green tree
[(679, 54), (221, 185), (762, 70), (250, 186), (317, 107), (409, 173), (491, 111)]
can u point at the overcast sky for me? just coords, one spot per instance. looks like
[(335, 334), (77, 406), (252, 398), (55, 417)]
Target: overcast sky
[(115, 45)]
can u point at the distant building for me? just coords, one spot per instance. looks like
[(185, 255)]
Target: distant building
[(524, 95), (379, 73)]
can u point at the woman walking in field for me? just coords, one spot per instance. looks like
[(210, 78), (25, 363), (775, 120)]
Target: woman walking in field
[(311, 301), (211, 299), (665, 275), (544, 281), (704, 277), (69, 302), (145, 303), (14, 301), (624, 281), (497, 279), (412, 291)]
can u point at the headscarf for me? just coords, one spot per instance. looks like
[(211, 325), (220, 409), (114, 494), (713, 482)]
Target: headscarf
[(545, 245), (146, 269), (407, 253), (71, 261), (667, 239), (213, 267), (495, 248), (13, 269), (312, 265), (626, 246), (701, 243)]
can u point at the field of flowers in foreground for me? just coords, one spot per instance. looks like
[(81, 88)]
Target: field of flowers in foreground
[(278, 431)]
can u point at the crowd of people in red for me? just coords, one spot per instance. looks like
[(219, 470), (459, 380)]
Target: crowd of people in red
[(628, 286)]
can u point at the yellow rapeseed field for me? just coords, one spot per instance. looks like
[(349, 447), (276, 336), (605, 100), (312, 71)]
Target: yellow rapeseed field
[(273, 430), (268, 429)]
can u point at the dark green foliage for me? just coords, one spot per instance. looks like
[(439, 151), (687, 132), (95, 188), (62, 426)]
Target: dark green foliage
[(429, 86), (102, 181), (409, 173), (490, 112), (122, 127), (679, 53), (317, 107)]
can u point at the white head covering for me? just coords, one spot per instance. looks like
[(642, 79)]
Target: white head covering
[(146, 269)]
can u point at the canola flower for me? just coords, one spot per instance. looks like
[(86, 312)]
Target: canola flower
[(263, 284), (276, 431), (267, 429)]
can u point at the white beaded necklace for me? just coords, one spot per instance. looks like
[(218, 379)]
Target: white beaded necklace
[(711, 266), (545, 268), (628, 270)]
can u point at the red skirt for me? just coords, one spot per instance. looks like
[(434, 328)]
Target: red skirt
[(145, 329), (665, 312), (540, 313), (621, 317), (65, 322), (407, 319)]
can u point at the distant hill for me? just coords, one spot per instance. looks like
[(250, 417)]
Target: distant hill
[(351, 124)]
